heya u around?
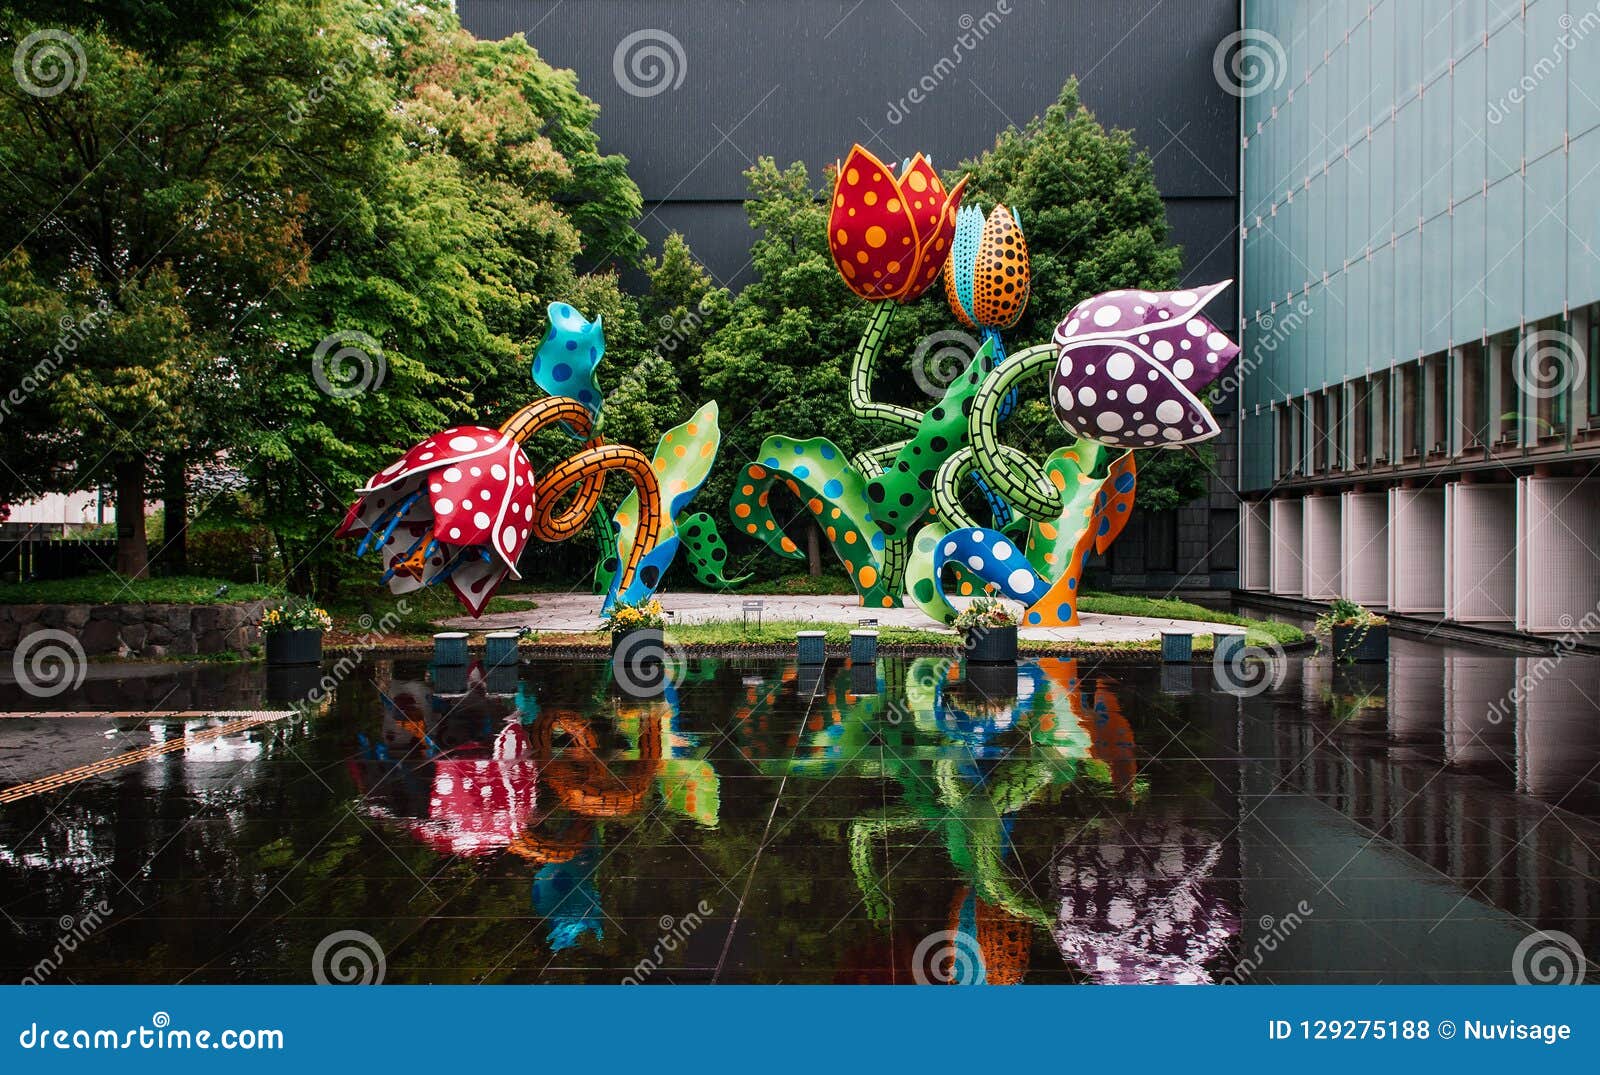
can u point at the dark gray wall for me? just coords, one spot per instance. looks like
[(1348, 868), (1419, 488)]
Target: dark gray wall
[(803, 79)]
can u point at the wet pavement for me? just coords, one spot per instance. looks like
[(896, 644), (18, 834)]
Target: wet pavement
[(753, 821)]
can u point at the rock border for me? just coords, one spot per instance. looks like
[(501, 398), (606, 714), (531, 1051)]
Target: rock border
[(136, 630)]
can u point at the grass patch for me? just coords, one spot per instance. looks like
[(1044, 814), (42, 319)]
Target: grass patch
[(804, 584), (1257, 632), (732, 634), (110, 589)]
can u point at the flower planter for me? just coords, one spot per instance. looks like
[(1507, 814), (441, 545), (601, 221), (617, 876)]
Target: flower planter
[(294, 647), (1363, 645), (991, 645), (639, 662), (640, 639)]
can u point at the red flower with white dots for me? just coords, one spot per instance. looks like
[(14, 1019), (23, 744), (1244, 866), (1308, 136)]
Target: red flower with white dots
[(456, 508)]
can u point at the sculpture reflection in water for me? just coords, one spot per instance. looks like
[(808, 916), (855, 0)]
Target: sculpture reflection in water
[(487, 770), (1130, 895), (989, 765)]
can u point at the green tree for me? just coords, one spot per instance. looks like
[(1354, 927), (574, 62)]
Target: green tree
[(443, 253), (779, 363), (317, 237), (157, 198), (154, 26)]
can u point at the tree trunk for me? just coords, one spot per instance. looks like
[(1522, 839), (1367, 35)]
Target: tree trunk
[(132, 551), (814, 550), (174, 554)]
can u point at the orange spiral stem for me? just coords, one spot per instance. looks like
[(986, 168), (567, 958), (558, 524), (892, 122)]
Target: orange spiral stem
[(589, 468), (545, 412)]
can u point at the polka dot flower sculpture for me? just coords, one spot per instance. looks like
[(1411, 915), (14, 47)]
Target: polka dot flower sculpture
[(459, 508), (1125, 370), (890, 236)]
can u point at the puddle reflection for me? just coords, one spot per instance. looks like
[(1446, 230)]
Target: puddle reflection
[(909, 821)]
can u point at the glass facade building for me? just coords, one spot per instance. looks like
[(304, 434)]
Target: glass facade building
[(1420, 396), (1421, 198)]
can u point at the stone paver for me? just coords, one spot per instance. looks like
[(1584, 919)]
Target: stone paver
[(581, 612)]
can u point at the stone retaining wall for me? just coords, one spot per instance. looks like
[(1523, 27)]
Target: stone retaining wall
[(139, 630)]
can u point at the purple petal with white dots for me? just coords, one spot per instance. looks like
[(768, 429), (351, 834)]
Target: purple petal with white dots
[(1131, 364)]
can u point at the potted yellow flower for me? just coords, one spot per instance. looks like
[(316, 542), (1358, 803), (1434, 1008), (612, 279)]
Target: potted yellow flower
[(635, 624), (294, 631)]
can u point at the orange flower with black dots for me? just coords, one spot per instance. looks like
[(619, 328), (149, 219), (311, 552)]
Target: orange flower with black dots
[(890, 235), (987, 279)]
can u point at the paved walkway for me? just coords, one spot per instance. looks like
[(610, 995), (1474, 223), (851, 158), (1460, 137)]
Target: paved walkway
[(581, 612)]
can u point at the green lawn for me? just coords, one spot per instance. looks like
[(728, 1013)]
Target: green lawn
[(1257, 632), (414, 616), (426, 607), (732, 634), (111, 589)]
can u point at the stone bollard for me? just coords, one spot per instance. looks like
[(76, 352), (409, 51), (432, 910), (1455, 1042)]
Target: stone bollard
[(450, 649), (1177, 647), (811, 646)]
